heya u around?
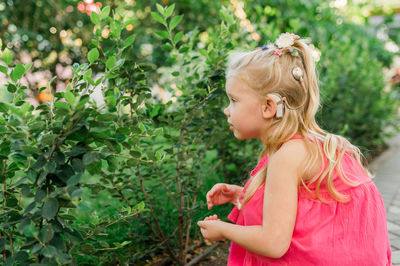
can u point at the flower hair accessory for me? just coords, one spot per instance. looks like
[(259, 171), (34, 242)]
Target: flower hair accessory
[(284, 40)]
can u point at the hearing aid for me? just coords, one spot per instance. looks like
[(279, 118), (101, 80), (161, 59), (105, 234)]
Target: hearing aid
[(279, 104)]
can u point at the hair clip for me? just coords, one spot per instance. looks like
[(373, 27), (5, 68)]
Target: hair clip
[(284, 40), (278, 52), (294, 52), (297, 73)]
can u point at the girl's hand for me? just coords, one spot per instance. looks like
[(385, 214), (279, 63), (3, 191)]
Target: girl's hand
[(210, 228), (212, 217), (222, 193)]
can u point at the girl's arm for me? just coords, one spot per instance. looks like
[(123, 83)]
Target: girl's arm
[(273, 237)]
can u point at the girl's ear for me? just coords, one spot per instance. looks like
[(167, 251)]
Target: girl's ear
[(269, 107)]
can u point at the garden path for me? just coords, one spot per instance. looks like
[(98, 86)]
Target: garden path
[(386, 169)]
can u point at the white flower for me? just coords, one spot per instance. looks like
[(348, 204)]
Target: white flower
[(285, 40), (315, 53)]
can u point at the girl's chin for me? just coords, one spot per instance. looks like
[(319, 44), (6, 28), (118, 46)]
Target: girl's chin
[(241, 136)]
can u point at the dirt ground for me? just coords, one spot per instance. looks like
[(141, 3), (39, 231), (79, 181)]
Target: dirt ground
[(217, 257)]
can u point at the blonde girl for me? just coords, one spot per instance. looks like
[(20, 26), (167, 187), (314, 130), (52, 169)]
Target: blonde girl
[(310, 200)]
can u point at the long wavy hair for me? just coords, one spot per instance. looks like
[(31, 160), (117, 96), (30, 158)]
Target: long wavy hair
[(265, 72)]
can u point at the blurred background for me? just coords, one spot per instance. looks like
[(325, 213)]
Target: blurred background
[(55, 34)]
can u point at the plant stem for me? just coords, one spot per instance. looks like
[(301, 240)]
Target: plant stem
[(161, 233)]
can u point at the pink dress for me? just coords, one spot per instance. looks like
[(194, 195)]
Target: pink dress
[(334, 234)]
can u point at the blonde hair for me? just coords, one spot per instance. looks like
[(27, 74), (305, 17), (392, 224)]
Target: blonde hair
[(265, 72)]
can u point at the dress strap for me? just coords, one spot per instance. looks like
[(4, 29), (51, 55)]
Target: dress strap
[(297, 137)]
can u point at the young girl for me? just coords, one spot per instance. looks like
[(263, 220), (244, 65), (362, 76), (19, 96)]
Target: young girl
[(309, 201)]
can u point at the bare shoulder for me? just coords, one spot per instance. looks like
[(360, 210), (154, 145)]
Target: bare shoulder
[(294, 151), (293, 155)]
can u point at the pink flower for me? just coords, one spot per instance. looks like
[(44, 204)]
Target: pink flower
[(92, 8), (294, 36), (81, 7), (278, 52)]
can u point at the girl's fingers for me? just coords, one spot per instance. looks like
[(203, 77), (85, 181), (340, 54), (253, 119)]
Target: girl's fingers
[(202, 224)]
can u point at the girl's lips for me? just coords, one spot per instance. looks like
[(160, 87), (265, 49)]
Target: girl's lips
[(231, 127)]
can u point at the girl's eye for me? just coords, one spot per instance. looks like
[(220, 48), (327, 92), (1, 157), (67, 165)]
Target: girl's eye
[(233, 100)]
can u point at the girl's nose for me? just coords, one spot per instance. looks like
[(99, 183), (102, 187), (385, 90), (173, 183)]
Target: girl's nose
[(226, 111)]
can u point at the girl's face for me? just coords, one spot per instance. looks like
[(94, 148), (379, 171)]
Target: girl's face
[(244, 111)]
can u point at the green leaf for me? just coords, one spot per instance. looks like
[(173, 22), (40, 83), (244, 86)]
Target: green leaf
[(74, 236), (62, 105), (175, 73), (46, 234), (119, 63), (95, 42), (11, 88), (105, 12), (166, 47), (50, 208), (174, 22), (36, 126), (36, 248), (87, 74), (87, 248), (169, 10), (69, 96), (160, 9), (30, 149), (95, 18), (135, 154), (128, 41), (163, 34), (115, 27), (51, 167), (58, 242), (48, 139), (158, 18), (89, 158), (50, 251), (155, 110), (7, 56), (183, 49), (111, 62), (3, 69), (28, 66), (93, 54), (17, 72), (74, 180), (178, 37), (3, 107), (203, 52), (159, 155), (40, 195)]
